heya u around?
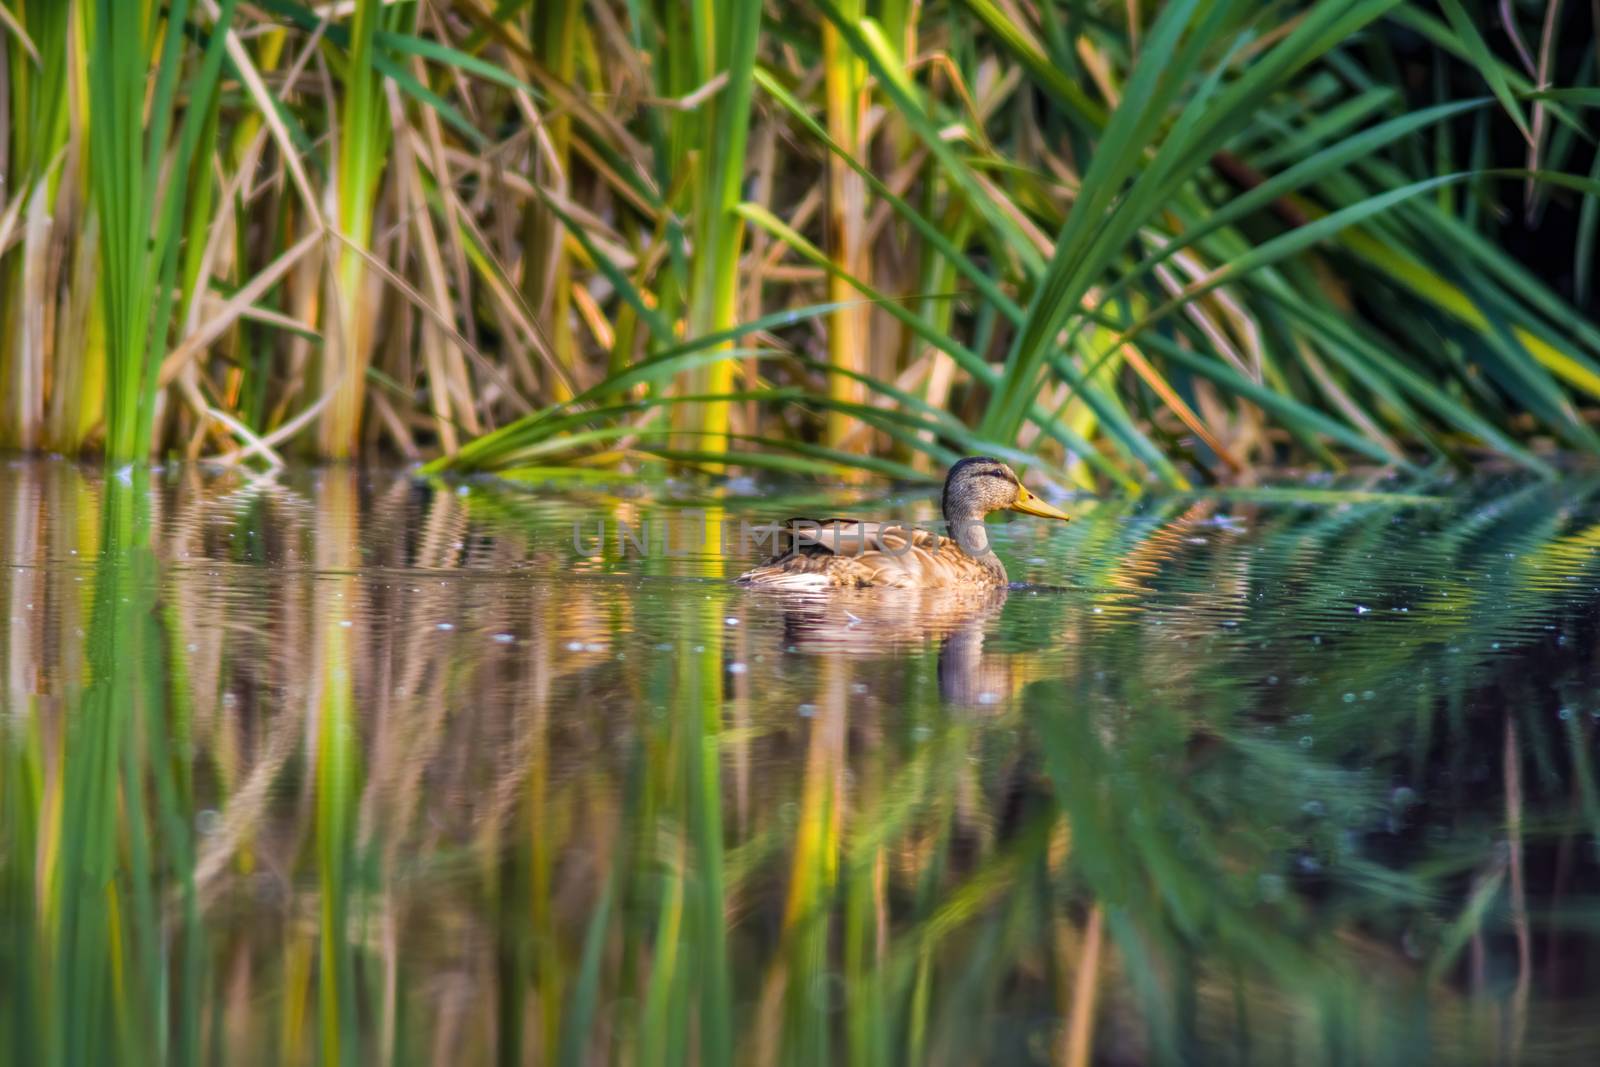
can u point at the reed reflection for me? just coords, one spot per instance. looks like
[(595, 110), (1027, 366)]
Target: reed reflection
[(342, 766)]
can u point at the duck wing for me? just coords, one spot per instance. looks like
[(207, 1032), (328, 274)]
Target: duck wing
[(852, 537), (847, 538), (849, 552)]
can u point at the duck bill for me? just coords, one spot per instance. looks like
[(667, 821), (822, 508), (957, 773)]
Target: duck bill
[(1029, 504)]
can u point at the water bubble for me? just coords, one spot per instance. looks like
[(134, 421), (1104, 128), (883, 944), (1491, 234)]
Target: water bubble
[(730, 621), (1314, 808), (445, 626), (1411, 945), (807, 710), (1565, 713), (1362, 609), (505, 639), (1349, 698), (1307, 741), (206, 821), (737, 668), (345, 624)]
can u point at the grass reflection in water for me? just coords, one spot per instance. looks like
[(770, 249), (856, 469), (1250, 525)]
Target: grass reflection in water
[(346, 768)]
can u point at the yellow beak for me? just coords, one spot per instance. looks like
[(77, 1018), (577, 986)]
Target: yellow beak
[(1029, 504)]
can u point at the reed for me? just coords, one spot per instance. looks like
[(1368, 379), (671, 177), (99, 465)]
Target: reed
[(140, 169), (44, 382), (359, 150), (1160, 243), (547, 263), (725, 39), (844, 80)]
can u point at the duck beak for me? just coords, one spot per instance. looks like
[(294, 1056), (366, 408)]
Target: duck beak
[(1029, 504)]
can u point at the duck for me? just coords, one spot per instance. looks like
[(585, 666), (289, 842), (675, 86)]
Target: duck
[(831, 553)]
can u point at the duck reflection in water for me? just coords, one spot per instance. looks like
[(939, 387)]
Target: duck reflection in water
[(841, 624)]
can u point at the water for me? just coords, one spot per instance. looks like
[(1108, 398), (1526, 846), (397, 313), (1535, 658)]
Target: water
[(341, 767)]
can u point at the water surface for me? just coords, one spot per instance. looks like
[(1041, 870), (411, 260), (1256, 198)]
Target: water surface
[(345, 767)]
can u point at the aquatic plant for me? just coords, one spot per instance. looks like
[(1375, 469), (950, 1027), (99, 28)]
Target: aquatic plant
[(1121, 243)]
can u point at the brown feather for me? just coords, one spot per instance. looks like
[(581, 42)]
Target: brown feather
[(852, 553)]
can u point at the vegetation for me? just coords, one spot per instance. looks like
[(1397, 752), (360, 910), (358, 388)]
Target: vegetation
[(292, 774), (1121, 242)]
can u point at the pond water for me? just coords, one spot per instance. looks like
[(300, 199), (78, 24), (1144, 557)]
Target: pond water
[(348, 767)]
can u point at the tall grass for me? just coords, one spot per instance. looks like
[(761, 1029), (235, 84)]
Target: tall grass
[(1120, 243), (140, 167), (43, 183)]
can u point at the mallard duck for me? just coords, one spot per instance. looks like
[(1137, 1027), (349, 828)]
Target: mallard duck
[(847, 552)]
